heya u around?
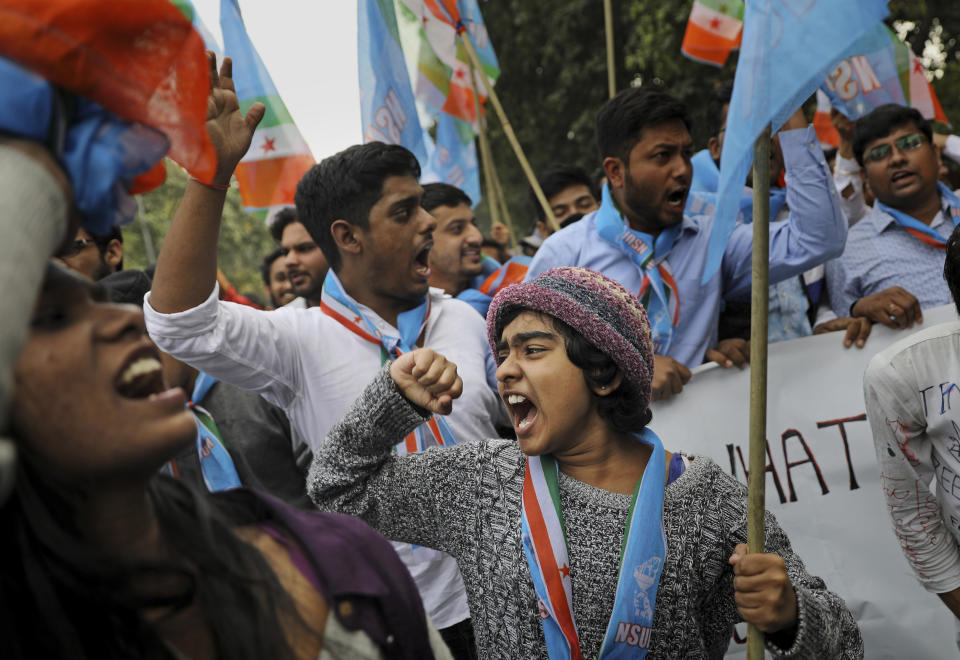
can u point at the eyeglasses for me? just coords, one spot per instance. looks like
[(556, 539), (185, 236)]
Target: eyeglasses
[(77, 246), (906, 143)]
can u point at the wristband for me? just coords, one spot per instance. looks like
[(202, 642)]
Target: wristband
[(215, 186)]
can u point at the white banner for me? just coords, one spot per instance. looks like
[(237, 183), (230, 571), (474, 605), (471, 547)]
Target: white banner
[(823, 484)]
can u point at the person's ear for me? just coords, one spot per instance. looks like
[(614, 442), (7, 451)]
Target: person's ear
[(113, 254), (608, 388), (347, 237), (713, 146), (615, 170)]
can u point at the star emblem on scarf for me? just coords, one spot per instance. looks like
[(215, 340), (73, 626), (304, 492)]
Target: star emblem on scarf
[(268, 145), (565, 571)]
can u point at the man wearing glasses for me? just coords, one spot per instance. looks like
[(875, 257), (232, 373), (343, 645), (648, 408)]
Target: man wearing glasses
[(95, 256), (893, 262)]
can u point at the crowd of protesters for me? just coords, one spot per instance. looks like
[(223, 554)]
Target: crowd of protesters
[(434, 443)]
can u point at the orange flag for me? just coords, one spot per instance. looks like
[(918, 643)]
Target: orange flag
[(142, 61)]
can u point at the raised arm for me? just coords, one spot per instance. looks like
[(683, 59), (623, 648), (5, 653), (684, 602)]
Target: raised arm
[(187, 265), (423, 498), (816, 228)]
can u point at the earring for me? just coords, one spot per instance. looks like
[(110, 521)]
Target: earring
[(603, 387)]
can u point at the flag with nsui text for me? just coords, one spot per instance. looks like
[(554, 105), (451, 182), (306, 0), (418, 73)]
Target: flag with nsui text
[(787, 49), (713, 30), (879, 68), (278, 156)]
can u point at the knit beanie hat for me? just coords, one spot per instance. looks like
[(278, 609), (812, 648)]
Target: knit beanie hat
[(600, 309)]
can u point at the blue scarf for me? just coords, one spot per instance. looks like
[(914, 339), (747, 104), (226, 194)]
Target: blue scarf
[(658, 289), (926, 233), (642, 557)]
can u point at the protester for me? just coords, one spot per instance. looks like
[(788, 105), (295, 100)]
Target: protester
[(644, 139), (530, 244), (569, 190), (241, 439), (362, 208), (95, 256), (455, 258), (303, 259), (276, 284), (907, 388), (891, 267), (539, 519), (794, 302), (102, 558), (456, 264), (495, 250)]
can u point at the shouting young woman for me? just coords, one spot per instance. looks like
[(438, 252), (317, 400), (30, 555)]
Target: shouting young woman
[(583, 537)]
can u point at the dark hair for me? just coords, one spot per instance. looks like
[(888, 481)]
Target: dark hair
[(951, 266), (881, 121), (268, 264), (443, 194), (103, 241), (622, 119), (63, 598), (621, 408), (345, 186), (719, 97), (284, 217), (557, 179), (502, 255)]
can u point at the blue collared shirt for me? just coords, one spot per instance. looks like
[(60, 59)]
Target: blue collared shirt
[(813, 233), (881, 254)]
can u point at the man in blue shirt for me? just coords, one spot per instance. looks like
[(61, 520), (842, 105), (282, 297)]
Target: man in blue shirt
[(893, 263), (641, 236)]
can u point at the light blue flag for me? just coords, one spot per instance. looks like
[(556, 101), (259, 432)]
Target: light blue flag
[(250, 75), (453, 159), (187, 9), (387, 107), (787, 50)]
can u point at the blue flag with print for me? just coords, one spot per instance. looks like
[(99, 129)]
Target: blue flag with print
[(387, 107), (453, 159), (787, 50)]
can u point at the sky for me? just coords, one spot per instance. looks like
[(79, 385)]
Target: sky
[(310, 49)]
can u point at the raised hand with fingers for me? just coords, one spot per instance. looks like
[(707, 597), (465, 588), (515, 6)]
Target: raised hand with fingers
[(228, 128), (763, 591), (427, 379)]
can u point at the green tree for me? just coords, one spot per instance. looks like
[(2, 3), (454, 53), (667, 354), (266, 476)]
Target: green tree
[(244, 238)]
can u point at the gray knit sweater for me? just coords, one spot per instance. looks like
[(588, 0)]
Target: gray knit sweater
[(465, 500)]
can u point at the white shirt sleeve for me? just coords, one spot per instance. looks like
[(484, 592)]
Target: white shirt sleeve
[(249, 348), (904, 456)]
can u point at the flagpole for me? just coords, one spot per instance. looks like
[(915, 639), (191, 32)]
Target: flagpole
[(494, 194), (611, 70), (759, 306), (508, 131)]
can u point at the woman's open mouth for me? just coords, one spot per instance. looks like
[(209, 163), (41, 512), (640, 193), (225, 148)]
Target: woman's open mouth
[(522, 411)]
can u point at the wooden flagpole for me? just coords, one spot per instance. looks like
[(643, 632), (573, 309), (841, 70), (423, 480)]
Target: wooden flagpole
[(759, 306), (611, 67), (508, 131), (495, 201)]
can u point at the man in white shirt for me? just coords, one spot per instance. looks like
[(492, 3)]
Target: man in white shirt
[(910, 389), (362, 207)]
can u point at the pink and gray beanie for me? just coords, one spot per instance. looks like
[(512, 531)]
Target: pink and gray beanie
[(600, 309)]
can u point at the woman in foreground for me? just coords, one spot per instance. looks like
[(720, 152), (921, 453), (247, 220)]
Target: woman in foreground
[(101, 557), (584, 537)]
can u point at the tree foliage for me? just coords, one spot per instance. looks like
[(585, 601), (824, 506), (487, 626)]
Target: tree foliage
[(244, 238), (554, 73)]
